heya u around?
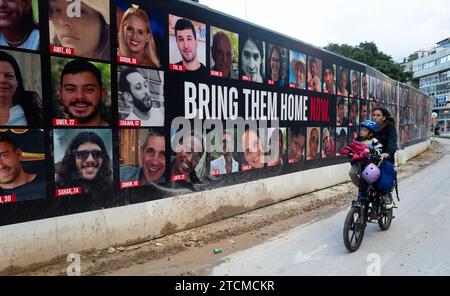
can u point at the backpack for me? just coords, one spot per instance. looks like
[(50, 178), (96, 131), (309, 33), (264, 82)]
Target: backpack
[(387, 176)]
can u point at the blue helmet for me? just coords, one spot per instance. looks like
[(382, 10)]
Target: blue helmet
[(371, 126)]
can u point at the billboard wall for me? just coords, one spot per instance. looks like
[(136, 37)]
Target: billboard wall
[(109, 103)]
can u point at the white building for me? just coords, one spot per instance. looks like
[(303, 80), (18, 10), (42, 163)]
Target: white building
[(433, 72)]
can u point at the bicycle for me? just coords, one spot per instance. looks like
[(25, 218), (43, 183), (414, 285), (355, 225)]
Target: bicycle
[(368, 208)]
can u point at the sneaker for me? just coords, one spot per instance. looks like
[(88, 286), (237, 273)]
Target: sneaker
[(387, 201)]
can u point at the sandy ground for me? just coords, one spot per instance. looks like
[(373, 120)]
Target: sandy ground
[(191, 252)]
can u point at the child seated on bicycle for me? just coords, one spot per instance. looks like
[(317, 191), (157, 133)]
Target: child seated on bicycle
[(371, 146)]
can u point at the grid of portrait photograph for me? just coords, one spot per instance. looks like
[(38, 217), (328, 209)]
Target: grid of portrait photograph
[(81, 99)]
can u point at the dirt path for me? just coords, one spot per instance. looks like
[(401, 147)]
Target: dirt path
[(191, 252)]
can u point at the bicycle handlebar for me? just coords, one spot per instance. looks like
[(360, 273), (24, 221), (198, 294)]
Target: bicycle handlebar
[(372, 155)]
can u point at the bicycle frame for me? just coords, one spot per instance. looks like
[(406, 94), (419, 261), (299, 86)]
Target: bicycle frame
[(369, 201)]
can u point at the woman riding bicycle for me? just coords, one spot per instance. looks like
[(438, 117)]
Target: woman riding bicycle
[(366, 154), (388, 138)]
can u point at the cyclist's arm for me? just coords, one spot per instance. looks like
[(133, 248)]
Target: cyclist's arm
[(391, 146)]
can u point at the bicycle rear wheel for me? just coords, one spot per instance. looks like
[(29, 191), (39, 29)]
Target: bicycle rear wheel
[(354, 228), (385, 221), (386, 216)]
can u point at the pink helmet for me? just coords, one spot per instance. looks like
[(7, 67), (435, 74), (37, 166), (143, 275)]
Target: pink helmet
[(371, 173)]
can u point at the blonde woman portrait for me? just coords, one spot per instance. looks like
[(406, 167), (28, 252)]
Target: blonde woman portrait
[(136, 39)]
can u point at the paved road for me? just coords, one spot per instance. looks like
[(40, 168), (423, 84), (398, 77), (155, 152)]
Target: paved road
[(418, 242)]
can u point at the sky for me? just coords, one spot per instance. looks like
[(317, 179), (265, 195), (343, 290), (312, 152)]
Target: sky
[(398, 28)]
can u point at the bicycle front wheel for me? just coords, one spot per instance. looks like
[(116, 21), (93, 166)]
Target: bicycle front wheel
[(353, 229)]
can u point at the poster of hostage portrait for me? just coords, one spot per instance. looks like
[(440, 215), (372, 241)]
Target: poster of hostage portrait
[(277, 65), (80, 28), (364, 86), (314, 74), (329, 78), (21, 96), (364, 113), (224, 53), (187, 159), (223, 158), (353, 118), (394, 98), (342, 111), (140, 97), (328, 144), (140, 33), (353, 133), (22, 163), (296, 142), (142, 157), (187, 46), (253, 149), (342, 81), (355, 82), (313, 140), (297, 73), (378, 91), (83, 162), (251, 59), (276, 151), (342, 140), (81, 92)]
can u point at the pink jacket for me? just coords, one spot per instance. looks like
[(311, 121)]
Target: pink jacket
[(357, 148)]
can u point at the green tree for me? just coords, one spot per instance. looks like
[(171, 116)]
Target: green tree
[(368, 53), (413, 56)]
